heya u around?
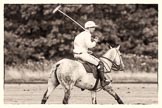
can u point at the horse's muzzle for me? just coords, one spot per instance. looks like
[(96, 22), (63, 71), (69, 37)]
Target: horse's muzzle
[(122, 69)]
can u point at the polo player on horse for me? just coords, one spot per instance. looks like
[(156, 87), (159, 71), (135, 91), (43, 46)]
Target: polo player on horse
[(82, 43)]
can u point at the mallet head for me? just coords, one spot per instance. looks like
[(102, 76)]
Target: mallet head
[(57, 8)]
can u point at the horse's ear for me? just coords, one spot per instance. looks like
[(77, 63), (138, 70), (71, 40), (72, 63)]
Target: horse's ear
[(118, 47), (110, 46)]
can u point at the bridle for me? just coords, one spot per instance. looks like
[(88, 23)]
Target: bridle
[(114, 66)]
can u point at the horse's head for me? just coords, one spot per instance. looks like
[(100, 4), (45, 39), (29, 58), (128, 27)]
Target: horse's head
[(115, 57)]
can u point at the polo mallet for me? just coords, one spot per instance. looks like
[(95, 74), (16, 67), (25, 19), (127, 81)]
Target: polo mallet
[(57, 9)]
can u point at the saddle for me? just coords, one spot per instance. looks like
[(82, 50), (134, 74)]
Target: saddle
[(90, 68)]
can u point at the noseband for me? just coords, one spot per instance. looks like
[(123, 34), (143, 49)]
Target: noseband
[(114, 67)]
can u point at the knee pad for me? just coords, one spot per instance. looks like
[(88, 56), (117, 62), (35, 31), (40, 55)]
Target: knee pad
[(100, 65)]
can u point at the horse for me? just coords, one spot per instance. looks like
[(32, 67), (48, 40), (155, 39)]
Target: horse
[(70, 73)]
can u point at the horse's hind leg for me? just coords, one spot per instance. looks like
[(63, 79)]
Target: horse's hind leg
[(51, 86), (47, 94), (67, 89), (66, 96), (110, 90), (44, 97)]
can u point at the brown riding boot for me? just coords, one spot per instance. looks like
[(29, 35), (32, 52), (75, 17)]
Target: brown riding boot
[(100, 69)]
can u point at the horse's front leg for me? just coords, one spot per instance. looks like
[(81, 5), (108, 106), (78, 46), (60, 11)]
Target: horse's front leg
[(110, 90), (93, 96)]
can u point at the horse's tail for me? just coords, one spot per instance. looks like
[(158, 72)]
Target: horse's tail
[(53, 74), (57, 65)]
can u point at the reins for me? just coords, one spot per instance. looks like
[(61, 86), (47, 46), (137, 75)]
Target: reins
[(114, 66)]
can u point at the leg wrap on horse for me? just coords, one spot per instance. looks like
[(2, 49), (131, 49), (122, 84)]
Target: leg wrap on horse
[(44, 100), (117, 98)]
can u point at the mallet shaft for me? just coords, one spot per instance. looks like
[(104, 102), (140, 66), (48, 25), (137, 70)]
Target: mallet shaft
[(71, 19)]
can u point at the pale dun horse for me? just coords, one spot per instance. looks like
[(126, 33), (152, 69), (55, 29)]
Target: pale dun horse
[(70, 73)]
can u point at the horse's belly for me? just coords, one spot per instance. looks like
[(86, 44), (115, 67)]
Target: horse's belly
[(86, 82)]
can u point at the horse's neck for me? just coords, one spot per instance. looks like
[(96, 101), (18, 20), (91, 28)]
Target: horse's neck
[(108, 64), (110, 54)]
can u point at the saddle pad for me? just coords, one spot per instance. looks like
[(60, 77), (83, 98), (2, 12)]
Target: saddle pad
[(90, 68)]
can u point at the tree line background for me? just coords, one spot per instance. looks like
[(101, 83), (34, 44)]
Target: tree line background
[(33, 32)]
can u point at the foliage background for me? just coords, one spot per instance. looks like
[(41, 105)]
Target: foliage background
[(34, 34)]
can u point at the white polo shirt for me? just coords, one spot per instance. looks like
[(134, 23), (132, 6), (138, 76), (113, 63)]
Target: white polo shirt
[(82, 42)]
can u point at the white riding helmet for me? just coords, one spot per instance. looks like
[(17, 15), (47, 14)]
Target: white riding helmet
[(90, 24)]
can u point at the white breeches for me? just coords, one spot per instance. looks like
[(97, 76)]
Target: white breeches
[(87, 57)]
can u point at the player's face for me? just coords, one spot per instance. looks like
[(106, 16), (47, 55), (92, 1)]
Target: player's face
[(92, 29)]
